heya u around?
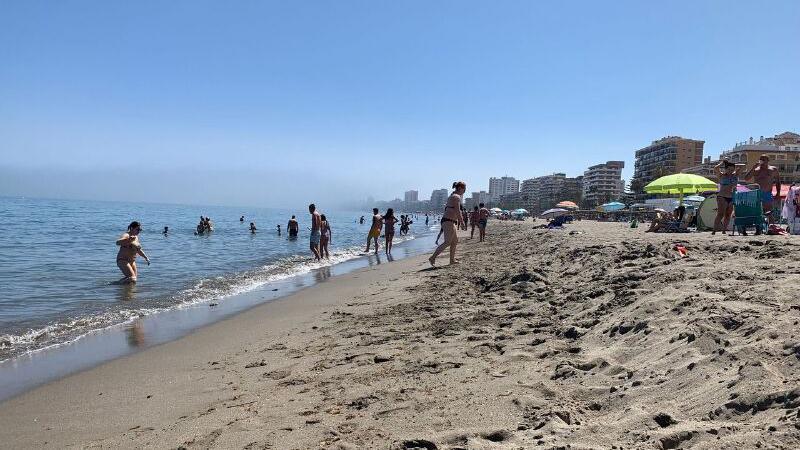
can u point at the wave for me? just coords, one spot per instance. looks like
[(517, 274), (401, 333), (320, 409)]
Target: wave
[(206, 290)]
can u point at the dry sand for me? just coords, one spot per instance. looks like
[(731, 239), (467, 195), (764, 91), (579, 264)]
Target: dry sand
[(539, 339)]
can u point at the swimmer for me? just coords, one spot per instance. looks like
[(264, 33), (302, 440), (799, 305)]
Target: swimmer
[(129, 247), (293, 227)]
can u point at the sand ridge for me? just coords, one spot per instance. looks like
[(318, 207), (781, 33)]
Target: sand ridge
[(594, 336)]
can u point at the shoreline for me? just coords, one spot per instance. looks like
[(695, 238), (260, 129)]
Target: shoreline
[(591, 336), (26, 371), (174, 379)]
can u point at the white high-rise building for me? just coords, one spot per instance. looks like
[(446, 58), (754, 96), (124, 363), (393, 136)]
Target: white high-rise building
[(602, 183), (478, 198), (502, 186), (412, 196), (438, 199)]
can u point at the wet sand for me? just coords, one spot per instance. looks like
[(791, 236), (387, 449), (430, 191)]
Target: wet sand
[(603, 337)]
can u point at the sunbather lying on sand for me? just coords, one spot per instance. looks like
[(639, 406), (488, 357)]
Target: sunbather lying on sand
[(659, 222)]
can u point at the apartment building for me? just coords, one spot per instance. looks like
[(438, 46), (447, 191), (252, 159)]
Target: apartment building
[(666, 156), (502, 186), (783, 151), (602, 183)]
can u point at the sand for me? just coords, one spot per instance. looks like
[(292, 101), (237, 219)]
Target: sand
[(594, 336)]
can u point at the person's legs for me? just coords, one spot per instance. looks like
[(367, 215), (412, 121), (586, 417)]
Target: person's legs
[(314, 245), (722, 207), (127, 270), (449, 229), (453, 246), (726, 220), (135, 270), (438, 250)]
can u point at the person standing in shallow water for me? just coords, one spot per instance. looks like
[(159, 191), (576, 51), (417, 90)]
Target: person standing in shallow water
[(316, 234), (375, 230), (451, 222), (129, 247), (325, 238), (389, 221), (293, 227)]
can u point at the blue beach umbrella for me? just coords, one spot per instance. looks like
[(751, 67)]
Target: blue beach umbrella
[(613, 206)]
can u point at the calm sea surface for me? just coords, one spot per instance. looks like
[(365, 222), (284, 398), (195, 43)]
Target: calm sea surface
[(58, 269)]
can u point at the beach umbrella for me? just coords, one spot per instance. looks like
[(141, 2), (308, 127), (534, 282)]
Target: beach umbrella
[(520, 211), (680, 183), (554, 212), (496, 210), (613, 206), (566, 204)]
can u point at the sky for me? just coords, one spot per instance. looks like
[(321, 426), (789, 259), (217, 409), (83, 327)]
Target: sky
[(283, 103)]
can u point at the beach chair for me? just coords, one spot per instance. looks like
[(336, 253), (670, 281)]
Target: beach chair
[(748, 212)]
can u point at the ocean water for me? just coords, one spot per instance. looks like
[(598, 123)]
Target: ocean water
[(58, 268)]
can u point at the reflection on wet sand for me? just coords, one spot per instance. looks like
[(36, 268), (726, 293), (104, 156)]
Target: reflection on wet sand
[(127, 292), (135, 334), (322, 274)]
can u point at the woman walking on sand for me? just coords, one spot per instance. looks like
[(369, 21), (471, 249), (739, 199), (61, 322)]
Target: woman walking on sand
[(389, 220), (325, 238), (129, 247), (451, 222)]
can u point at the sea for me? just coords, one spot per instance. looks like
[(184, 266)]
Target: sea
[(59, 279)]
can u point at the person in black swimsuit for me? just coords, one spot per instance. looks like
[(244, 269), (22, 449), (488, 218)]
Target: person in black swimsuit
[(451, 222)]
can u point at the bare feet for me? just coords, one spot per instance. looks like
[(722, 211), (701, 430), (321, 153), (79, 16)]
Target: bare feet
[(432, 260)]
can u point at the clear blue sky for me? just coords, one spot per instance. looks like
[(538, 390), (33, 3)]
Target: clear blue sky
[(272, 103)]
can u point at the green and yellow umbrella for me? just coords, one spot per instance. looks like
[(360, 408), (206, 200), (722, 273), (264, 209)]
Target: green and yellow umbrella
[(680, 183)]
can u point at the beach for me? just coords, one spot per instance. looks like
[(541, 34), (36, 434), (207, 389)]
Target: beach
[(591, 336)]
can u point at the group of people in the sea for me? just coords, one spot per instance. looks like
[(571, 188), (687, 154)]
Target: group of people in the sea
[(205, 226), (321, 236)]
